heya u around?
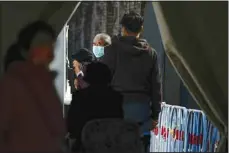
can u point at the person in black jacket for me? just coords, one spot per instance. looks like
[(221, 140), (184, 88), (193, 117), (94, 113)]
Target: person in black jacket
[(96, 101), (75, 74), (135, 70)]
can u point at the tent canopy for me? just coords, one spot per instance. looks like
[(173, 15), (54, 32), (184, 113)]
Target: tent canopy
[(194, 35), (195, 39), (15, 15)]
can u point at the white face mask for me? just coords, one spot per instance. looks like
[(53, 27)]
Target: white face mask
[(98, 51)]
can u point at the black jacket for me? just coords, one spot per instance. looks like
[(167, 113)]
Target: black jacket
[(135, 70), (93, 102)]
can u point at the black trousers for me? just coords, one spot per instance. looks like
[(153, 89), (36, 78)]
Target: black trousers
[(146, 143)]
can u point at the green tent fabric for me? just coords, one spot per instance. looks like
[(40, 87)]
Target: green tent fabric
[(195, 38), (55, 13)]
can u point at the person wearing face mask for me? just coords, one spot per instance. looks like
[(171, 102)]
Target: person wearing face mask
[(135, 74), (31, 118), (100, 41)]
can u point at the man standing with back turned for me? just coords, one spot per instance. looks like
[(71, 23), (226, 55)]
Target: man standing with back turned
[(135, 70)]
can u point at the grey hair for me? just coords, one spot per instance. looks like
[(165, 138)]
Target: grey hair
[(103, 36)]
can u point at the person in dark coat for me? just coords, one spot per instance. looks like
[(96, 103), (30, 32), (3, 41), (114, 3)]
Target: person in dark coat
[(75, 75), (31, 114), (135, 70), (96, 101)]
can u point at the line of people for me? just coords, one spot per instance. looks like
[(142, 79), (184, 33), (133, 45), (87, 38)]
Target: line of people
[(120, 79)]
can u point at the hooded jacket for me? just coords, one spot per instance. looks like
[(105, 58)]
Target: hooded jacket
[(135, 70)]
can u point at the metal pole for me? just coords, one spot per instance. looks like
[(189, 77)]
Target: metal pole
[(73, 12)]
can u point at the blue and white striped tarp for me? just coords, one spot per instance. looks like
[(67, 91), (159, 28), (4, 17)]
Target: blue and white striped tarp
[(183, 130)]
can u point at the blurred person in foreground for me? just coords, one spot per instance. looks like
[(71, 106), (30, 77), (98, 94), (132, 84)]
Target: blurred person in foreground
[(135, 70), (31, 118), (96, 101), (100, 41)]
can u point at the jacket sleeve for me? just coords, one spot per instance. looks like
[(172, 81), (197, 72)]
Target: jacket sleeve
[(156, 92), (81, 83), (109, 58)]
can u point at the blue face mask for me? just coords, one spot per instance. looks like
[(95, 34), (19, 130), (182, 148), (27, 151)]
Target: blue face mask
[(98, 51)]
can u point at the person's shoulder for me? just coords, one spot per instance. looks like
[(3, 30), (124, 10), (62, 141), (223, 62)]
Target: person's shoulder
[(114, 41), (9, 84), (109, 48), (152, 52), (146, 46), (8, 79), (115, 38), (109, 53)]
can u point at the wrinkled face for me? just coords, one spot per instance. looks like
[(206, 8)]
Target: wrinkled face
[(41, 51), (98, 48), (99, 42)]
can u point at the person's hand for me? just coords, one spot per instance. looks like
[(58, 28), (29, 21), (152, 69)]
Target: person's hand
[(75, 83), (76, 66)]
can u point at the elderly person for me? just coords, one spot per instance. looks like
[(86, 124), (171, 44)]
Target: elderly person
[(100, 41)]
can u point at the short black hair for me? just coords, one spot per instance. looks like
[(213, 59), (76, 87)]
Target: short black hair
[(132, 21), (27, 33)]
